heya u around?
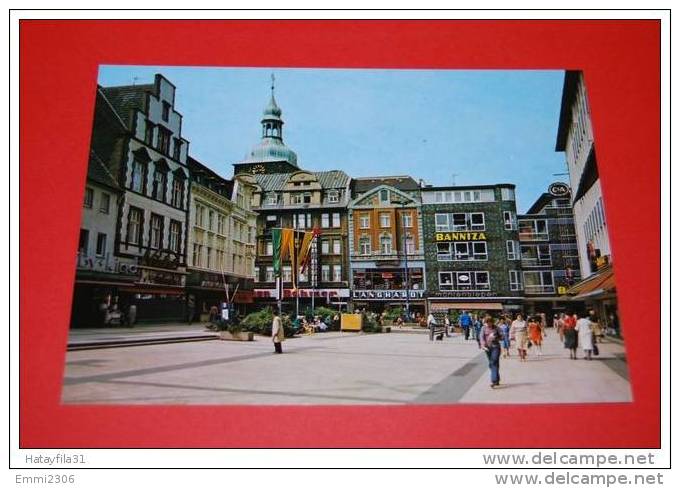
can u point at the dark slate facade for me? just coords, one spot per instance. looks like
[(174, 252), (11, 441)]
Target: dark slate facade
[(471, 248)]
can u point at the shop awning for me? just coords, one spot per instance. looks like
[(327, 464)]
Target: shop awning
[(598, 284)]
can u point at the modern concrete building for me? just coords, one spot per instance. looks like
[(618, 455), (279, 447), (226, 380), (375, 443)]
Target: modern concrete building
[(386, 249), (549, 252), (471, 248), (575, 138)]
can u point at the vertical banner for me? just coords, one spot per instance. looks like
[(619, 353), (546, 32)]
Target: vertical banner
[(276, 245)]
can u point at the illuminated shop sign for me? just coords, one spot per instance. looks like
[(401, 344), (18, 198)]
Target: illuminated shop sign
[(459, 236)]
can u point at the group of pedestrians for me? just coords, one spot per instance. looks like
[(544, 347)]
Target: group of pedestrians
[(575, 331)]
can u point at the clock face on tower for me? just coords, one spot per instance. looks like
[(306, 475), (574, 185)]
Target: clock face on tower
[(257, 169)]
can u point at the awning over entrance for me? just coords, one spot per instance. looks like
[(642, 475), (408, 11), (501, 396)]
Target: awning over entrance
[(466, 306), (598, 284)]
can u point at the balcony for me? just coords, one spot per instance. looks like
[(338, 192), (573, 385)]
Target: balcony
[(539, 289), (536, 262), (531, 236)]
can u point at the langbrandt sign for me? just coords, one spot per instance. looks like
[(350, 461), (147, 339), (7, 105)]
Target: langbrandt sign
[(387, 294)]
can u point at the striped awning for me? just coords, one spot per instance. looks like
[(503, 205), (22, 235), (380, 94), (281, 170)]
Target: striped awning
[(598, 284)]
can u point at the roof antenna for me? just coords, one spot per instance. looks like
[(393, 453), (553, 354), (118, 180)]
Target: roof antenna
[(134, 80), (453, 179), (273, 80)]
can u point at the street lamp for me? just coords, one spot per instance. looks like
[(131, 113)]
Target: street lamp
[(402, 202)]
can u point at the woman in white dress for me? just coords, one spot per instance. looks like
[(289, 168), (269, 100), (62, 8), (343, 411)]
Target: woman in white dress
[(584, 327)]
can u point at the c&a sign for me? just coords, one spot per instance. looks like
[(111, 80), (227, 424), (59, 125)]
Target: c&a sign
[(459, 236)]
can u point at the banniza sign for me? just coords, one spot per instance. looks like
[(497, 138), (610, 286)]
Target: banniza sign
[(460, 236)]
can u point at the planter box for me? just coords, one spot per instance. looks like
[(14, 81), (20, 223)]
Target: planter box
[(386, 329), (225, 335)]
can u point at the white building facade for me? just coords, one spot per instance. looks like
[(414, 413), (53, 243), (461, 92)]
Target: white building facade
[(575, 138)]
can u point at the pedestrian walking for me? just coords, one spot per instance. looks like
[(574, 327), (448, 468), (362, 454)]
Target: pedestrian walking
[(431, 324), (490, 340), (477, 328), (191, 308), (465, 322), (595, 326), (570, 334), (536, 334), (504, 326), (277, 332), (518, 331), (584, 328), (560, 326), (447, 324)]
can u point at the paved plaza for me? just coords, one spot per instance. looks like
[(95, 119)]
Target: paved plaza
[(339, 368)]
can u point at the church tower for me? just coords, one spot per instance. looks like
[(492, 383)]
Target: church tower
[(270, 155)]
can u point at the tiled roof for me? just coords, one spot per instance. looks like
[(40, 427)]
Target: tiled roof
[(404, 183), (206, 177), (126, 98), (327, 179), (99, 173)]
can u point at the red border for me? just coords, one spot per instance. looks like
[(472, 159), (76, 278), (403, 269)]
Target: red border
[(59, 60)]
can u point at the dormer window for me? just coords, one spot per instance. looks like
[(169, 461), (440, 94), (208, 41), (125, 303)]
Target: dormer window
[(333, 196), (272, 199)]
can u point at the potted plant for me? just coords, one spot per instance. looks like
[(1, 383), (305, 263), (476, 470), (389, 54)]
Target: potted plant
[(233, 331)]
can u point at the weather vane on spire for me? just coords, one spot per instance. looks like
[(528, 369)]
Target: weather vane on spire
[(273, 79)]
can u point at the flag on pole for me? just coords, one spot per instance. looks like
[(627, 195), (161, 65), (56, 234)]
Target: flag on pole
[(276, 248), (305, 249)]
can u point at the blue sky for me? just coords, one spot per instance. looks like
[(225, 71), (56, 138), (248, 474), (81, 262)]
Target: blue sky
[(481, 126)]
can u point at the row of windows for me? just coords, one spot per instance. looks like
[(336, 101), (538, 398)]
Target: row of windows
[(204, 256), (451, 222), (531, 281), (162, 136), (213, 217), (84, 243), (159, 187), (385, 220), (595, 221), (104, 200), (386, 246), (329, 273), (579, 122), (135, 230), (301, 198), (467, 196), (304, 221)]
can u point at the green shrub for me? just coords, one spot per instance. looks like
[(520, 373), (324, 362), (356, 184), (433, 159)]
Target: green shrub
[(393, 313)]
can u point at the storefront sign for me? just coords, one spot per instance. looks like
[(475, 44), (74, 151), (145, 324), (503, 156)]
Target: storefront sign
[(304, 293), (160, 259), (463, 294), (559, 189), (154, 277), (107, 264), (459, 236), (387, 294)]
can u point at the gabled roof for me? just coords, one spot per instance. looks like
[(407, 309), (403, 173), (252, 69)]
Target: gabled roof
[(404, 183), (327, 180), (124, 99), (99, 173)]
